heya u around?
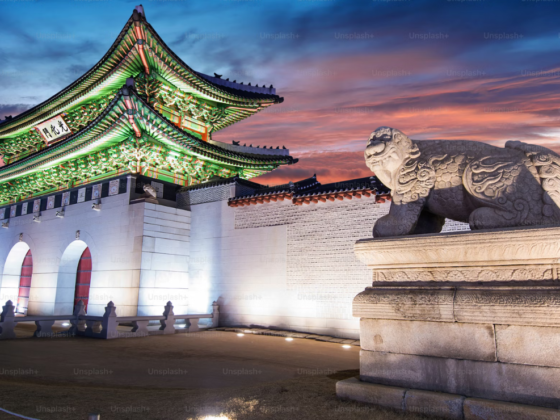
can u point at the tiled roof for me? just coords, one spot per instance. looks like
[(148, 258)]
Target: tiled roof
[(112, 117), (310, 190), (345, 186), (242, 90), (123, 60)]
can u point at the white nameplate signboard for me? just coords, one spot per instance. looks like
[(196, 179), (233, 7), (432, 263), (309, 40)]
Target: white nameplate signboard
[(65, 199), (53, 129), (114, 187), (81, 195)]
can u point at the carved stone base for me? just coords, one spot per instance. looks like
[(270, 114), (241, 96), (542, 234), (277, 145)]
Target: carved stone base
[(476, 314)]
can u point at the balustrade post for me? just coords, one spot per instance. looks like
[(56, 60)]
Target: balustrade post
[(193, 324), (168, 324), (215, 315), (7, 321), (44, 329), (140, 328), (78, 326), (109, 323)]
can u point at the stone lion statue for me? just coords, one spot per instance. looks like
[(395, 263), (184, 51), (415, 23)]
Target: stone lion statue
[(486, 186)]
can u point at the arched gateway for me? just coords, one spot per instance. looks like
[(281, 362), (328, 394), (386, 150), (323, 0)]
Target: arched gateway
[(83, 278), (16, 277), (74, 277)]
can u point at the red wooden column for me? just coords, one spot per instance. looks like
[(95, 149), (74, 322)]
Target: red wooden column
[(83, 278), (25, 283)]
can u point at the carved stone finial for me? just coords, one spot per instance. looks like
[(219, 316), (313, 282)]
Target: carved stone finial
[(490, 187), (77, 234), (21, 237)]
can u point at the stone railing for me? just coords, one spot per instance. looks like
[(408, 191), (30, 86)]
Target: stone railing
[(106, 326)]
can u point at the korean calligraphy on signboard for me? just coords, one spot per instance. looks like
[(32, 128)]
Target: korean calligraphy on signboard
[(53, 129)]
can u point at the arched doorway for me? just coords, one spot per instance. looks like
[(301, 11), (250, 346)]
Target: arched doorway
[(14, 273), (25, 283), (83, 278), (74, 276)]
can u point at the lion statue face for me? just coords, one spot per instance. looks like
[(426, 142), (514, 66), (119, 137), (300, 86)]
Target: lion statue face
[(386, 151)]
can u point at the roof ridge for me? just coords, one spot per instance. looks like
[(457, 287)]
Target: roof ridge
[(75, 82)]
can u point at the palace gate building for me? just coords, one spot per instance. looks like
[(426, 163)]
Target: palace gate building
[(113, 189)]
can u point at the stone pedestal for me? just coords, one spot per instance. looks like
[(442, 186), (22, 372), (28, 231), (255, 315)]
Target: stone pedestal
[(464, 325)]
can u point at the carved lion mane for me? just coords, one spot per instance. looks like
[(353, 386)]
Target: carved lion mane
[(487, 186)]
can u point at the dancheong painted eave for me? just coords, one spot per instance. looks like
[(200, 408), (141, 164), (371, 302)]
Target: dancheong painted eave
[(139, 50), (130, 136)]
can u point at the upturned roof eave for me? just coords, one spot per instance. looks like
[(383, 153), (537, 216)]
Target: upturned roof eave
[(242, 96), (10, 124), (213, 153)]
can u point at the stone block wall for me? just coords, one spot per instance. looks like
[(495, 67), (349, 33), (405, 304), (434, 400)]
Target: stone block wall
[(281, 265), (164, 274), (139, 257)]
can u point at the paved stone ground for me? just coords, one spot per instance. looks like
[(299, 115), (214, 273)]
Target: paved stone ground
[(181, 376)]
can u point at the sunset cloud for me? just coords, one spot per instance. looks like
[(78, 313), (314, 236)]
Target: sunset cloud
[(344, 68)]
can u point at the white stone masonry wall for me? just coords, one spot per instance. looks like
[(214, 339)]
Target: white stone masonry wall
[(164, 272), (281, 265), (139, 257)]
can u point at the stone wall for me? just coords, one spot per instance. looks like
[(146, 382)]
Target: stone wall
[(282, 265), (139, 256)]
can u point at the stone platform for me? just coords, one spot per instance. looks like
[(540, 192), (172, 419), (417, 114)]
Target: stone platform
[(461, 317)]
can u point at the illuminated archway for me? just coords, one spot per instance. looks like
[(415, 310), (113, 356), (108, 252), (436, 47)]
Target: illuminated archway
[(83, 279), (25, 284), (67, 274), (11, 276)]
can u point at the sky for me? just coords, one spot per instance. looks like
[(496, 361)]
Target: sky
[(485, 70)]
